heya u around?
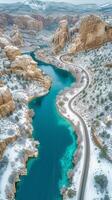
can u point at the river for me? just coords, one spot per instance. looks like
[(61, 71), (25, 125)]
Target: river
[(58, 142)]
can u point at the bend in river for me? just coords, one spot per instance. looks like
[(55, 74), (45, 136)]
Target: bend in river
[(58, 142)]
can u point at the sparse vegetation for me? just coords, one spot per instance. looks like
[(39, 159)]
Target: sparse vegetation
[(101, 181)]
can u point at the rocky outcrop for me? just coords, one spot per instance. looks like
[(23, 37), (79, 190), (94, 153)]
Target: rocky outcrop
[(60, 37), (5, 142), (16, 144), (93, 33), (12, 52), (7, 105), (16, 36), (25, 66), (3, 41)]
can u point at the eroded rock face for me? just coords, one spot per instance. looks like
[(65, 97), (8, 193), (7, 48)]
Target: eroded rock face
[(16, 36), (4, 144), (12, 52), (3, 41), (7, 105), (16, 144), (61, 36), (25, 66), (92, 34)]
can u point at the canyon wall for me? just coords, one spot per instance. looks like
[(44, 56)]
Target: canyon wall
[(93, 33)]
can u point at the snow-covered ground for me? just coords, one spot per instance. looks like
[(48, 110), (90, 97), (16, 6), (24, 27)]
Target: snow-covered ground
[(91, 104), (63, 105), (15, 153), (16, 143), (95, 107)]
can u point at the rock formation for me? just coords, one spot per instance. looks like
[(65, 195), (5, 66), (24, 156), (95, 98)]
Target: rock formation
[(4, 144), (61, 36), (21, 81), (93, 33), (3, 41), (6, 102), (25, 66), (16, 36), (12, 52)]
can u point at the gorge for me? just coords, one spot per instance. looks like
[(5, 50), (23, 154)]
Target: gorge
[(55, 101), (58, 142)]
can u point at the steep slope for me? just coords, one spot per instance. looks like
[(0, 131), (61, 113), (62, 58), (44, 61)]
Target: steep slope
[(93, 33), (60, 37)]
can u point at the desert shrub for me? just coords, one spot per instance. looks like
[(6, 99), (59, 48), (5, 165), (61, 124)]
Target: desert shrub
[(61, 103), (102, 181), (106, 197), (103, 153), (71, 193), (110, 96)]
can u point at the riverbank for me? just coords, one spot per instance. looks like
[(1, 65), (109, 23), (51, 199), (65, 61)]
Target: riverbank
[(94, 106), (87, 105), (64, 105), (16, 142), (75, 190), (53, 144)]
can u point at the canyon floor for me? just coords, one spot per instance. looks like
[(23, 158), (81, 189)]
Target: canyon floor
[(80, 43)]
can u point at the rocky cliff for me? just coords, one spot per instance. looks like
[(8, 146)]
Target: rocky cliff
[(20, 81), (12, 52), (4, 143), (25, 66), (93, 33), (7, 105), (60, 37), (16, 36), (4, 41)]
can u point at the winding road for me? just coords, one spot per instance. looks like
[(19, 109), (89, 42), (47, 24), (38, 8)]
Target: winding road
[(85, 136)]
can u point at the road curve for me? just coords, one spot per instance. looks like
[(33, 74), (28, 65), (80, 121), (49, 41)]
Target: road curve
[(86, 140)]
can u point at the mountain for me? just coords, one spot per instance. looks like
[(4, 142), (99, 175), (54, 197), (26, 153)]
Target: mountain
[(15, 8), (38, 5), (106, 8), (54, 8)]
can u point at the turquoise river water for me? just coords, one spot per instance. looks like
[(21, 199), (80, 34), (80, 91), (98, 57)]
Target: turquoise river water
[(58, 142)]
